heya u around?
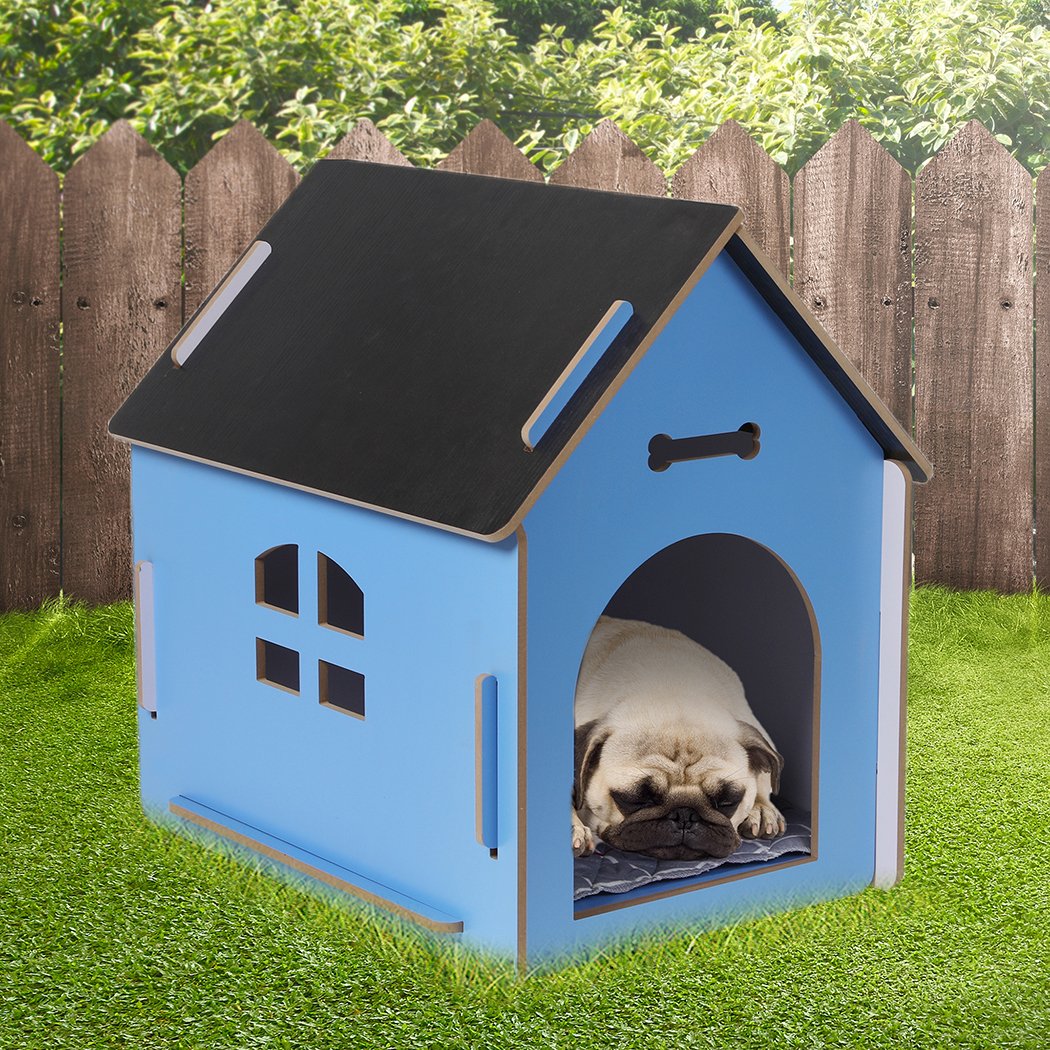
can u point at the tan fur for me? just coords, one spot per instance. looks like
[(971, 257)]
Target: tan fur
[(667, 712)]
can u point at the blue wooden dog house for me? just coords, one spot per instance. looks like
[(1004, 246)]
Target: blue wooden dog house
[(426, 431)]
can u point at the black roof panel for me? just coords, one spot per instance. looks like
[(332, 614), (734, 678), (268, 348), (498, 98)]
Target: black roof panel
[(406, 325)]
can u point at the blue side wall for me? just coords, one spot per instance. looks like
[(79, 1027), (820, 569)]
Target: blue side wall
[(391, 797), (813, 496)]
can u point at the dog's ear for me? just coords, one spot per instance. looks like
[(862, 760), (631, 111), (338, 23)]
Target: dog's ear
[(762, 757), (590, 739)]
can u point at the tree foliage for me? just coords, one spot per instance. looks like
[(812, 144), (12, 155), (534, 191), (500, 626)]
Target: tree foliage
[(911, 71), (526, 18)]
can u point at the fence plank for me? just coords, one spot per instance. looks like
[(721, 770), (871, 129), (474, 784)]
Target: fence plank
[(1042, 380), (973, 365), (731, 168), (608, 160), (121, 305), (853, 257), (29, 405), (366, 142), (487, 151), (229, 196)]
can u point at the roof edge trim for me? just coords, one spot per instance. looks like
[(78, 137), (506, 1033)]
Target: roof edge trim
[(308, 490), (723, 239), (843, 375)]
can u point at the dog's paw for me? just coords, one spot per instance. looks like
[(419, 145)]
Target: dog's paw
[(582, 837), (764, 821)]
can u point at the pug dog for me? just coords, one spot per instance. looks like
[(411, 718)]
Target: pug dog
[(670, 759)]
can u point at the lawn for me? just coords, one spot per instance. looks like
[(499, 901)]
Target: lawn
[(114, 933)]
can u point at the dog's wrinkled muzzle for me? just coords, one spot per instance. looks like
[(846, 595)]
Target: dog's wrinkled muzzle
[(681, 834)]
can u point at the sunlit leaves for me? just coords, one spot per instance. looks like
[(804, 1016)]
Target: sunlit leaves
[(911, 71)]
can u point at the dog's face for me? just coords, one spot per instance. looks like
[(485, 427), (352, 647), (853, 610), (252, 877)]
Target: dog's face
[(670, 792)]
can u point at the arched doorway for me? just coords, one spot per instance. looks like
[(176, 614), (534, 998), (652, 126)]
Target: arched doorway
[(741, 601)]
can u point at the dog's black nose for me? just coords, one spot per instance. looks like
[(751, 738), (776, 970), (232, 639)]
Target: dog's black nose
[(684, 817)]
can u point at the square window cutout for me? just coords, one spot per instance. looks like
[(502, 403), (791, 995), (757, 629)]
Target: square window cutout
[(341, 689), (277, 666)]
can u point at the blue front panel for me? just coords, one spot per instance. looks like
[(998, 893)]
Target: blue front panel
[(391, 796), (812, 496)]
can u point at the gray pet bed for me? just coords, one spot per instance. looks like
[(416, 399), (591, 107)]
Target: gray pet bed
[(611, 870)]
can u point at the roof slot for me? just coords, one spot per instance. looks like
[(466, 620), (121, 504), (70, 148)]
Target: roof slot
[(576, 372), (215, 305)]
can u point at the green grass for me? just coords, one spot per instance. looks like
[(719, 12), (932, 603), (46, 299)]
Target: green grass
[(114, 933)]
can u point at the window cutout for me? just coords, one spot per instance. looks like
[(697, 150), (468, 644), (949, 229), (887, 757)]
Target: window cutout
[(340, 602), (340, 689), (277, 578), (277, 666)]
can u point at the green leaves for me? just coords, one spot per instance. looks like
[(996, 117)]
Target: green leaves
[(426, 71)]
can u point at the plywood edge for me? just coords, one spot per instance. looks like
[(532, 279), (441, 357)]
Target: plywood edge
[(145, 637), (479, 803), (207, 315), (604, 330), (732, 228), (897, 443), (494, 538), (315, 867), (480, 787), (522, 755), (893, 676), (906, 573)]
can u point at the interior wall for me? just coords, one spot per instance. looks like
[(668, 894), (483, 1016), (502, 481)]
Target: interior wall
[(735, 597)]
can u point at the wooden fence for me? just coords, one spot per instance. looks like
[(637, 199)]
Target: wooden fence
[(140, 248)]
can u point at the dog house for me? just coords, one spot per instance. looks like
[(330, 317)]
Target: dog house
[(425, 432)]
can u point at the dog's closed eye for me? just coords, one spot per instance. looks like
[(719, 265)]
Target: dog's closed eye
[(728, 798), (638, 797)]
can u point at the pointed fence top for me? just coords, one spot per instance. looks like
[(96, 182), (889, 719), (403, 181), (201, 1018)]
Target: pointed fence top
[(120, 149), (15, 152), (229, 194), (121, 137), (732, 168), (366, 142), (608, 160), (973, 147), (487, 151), (729, 140), (243, 143), (854, 138)]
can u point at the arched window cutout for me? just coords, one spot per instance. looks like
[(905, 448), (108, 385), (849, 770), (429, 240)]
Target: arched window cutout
[(340, 602), (277, 578)]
